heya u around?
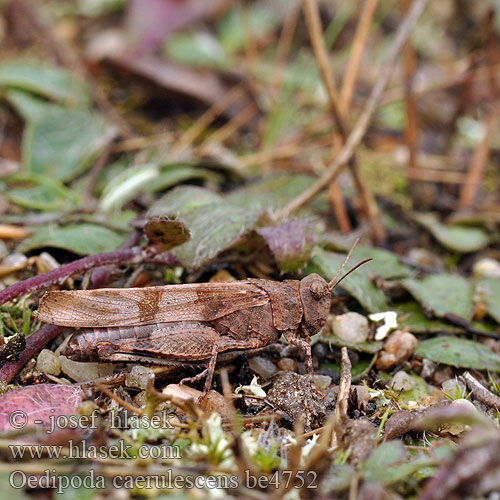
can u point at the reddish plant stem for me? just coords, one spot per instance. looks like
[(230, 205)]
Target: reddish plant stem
[(126, 256), (34, 343)]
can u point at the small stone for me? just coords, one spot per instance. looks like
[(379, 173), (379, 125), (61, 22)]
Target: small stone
[(222, 276), (263, 367), (138, 377), (287, 364), (216, 402), (4, 250), (322, 381), (48, 362), (320, 350), (363, 395), (82, 372), (428, 368), (453, 386), (289, 351), (464, 404), (486, 268), (465, 407), (15, 260), (402, 381), (442, 374), (352, 327), (397, 348), (427, 401), (182, 392), (140, 399)]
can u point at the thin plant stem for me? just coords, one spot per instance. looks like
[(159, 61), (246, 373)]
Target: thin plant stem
[(364, 120)]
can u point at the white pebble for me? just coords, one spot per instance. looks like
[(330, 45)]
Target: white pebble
[(486, 268), (82, 372), (352, 327), (464, 404), (48, 362)]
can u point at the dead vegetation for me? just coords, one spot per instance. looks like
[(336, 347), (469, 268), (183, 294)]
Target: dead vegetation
[(157, 142)]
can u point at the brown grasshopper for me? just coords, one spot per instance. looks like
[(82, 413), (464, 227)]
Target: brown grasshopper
[(190, 323)]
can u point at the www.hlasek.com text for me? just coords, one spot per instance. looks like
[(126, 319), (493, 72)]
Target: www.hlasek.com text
[(82, 450)]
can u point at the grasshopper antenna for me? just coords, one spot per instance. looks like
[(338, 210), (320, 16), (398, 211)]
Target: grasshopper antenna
[(344, 263), (331, 287), (334, 283)]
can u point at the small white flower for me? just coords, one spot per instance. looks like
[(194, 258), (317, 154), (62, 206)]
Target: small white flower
[(250, 442), (254, 388), (216, 441), (306, 449), (390, 322)]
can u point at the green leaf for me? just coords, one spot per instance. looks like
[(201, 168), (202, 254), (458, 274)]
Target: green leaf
[(148, 179), (290, 242), (386, 264), (459, 352), (358, 284), (383, 458), (457, 238), (215, 224), (51, 82), (369, 347), (256, 18), (78, 493), (359, 370), (214, 228), (196, 49), (443, 294), (488, 293), (182, 199), (82, 239), (418, 392), (411, 315), (58, 142), (11, 492), (126, 186), (272, 192), (280, 116), (170, 175), (39, 193)]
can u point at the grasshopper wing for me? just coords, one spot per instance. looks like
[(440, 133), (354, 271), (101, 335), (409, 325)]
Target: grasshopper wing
[(145, 306)]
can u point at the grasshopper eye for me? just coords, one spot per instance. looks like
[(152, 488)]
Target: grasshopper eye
[(317, 290)]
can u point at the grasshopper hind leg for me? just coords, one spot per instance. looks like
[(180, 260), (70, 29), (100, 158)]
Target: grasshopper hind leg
[(208, 373), (291, 338)]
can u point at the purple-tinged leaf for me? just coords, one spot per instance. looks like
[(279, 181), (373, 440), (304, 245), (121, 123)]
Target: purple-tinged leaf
[(38, 405), (291, 243), (149, 22)]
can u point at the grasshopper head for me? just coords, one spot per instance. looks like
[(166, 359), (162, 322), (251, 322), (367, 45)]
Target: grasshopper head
[(315, 297)]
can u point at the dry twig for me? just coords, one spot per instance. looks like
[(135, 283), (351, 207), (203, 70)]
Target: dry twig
[(480, 392), (359, 130), (320, 51), (359, 42)]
